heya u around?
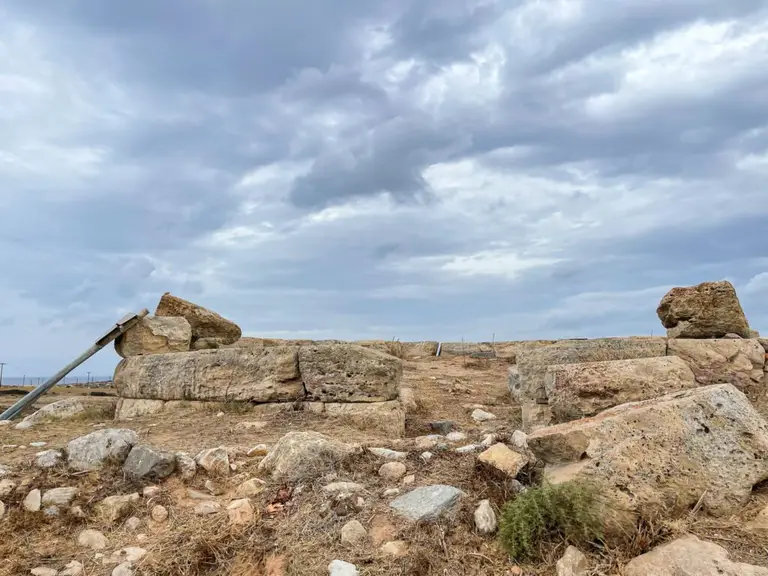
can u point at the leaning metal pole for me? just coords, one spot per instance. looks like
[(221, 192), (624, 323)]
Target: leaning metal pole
[(121, 326)]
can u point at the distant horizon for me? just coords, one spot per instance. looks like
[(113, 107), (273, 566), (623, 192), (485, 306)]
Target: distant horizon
[(33, 380)]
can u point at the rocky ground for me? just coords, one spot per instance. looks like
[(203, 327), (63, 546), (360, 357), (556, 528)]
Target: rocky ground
[(300, 510)]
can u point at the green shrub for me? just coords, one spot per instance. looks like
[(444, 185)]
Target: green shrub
[(572, 510)]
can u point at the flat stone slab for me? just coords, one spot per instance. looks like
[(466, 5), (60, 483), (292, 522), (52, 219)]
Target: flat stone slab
[(427, 502)]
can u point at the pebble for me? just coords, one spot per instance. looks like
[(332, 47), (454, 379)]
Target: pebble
[(59, 496), (48, 458), (410, 479), (353, 533), (392, 470), (130, 554), (132, 524), (488, 441), (77, 512), (391, 492), (426, 456), (479, 415), (468, 449), (240, 512), (43, 571), (213, 488), (519, 439), (150, 491), (485, 518), (33, 501), (209, 507), (258, 450), (2, 510), (6, 487), (341, 568), (251, 487), (388, 454), (73, 568), (159, 513), (343, 487), (124, 569), (92, 539), (197, 495), (573, 563), (456, 437), (38, 444)]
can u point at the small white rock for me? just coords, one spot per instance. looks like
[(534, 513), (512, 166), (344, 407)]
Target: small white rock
[(130, 554), (353, 533), (426, 456), (456, 436), (124, 569), (132, 524), (150, 491), (37, 444), (92, 539), (48, 458), (59, 496), (388, 454), (258, 450), (573, 563), (479, 415), (73, 568), (43, 571), (341, 568), (488, 441), (467, 449), (410, 479), (251, 487), (392, 470), (519, 439), (343, 488), (2, 510), (219, 414), (159, 513), (6, 487), (391, 492), (485, 518), (395, 548), (33, 501), (209, 507)]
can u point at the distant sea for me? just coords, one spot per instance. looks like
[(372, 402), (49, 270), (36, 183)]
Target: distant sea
[(35, 380)]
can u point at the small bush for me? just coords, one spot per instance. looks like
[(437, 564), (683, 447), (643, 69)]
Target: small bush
[(395, 348), (572, 510)]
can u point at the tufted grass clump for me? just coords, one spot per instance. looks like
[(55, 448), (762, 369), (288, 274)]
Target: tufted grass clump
[(571, 511)]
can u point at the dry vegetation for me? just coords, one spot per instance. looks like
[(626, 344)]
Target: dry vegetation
[(301, 531)]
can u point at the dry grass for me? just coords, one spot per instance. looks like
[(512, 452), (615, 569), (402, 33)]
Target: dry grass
[(395, 348)]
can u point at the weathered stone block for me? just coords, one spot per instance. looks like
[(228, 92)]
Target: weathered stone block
[(204, 323), (155, 335), (708, 310)]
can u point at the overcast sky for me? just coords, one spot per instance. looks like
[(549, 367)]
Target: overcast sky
[(419, 169)]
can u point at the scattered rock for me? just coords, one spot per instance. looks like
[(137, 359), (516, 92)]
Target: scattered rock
[(427, 502), (240, 512), (51, 511), (482, 416), (243, 426), (485, 518), (37, 444), (124, 569), (427, 442), (92, 451), (6, 487), (301, 455), (708, 310), (251, 487), (209, 507), (214, 488), (73, 568), (689, 556), (150, 491), (258, 450), (392, 470), (76, 512), (488, 441), (197, 495), (131, 554), (4, 470), (426, 456), (501, 458), (456, 437), (186, 466), (155, 335), (520, 440), (215, 460), (92, 539), (59, 496), (48, 458), (395, 548), (132, 524), (573, 563), (341, 568), (43, 571), (353, 533), (159, 513), (381, 530), (410, 479), (391, 492), (33, 501), (58, 410), (469, 448), (147, 463), (388, 454), (443, 427), (343, 488), (113, 508)]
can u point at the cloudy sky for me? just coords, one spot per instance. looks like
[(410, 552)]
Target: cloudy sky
[(419, 169)]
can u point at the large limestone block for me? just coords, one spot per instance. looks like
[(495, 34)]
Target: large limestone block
[(155, 335), (738, 362), (420, 349), (584, 389), (385, 418), (222, 375), (532, 363), (664, 454), (689, 556), (449, 349), (348, 373), (708, 310), (206, 324), (135, 407)]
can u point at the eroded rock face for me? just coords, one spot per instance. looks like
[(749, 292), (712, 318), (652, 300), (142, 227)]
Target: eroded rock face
[(302, 455), (348, 373), (689, 556), (222, 375), (584, 389), (204, 323), (708, 310), (532, 364), (664, 453), (738, 362), (155, 335)]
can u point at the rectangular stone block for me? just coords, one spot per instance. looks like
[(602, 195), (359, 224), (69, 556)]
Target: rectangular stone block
[(348, 373), (718, 361), (219, 375), (532, 363), (449, 349), (385, 418), (584, 389)]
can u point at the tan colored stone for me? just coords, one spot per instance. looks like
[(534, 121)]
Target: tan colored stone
[(395, 548), (59, 410), (135, 407), (113, 508), (155, 335), (584, 389), (664, 454), (251, 487), (707, 310), (572, 563), (204, 323), (392, 470), (738, 362), (159, 513), (381, 530), (223, 375), (347, 373), (536, 416), (353, 533), (386, 418), (760, 522), (504, 460), (240, 512), (302, 455), (689, 556)]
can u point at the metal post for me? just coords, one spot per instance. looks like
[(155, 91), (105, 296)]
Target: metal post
[(122, 325), (88, 378), (1, 372)]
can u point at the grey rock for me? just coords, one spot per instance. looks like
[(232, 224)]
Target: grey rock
[(186, 466), (485, 518), (442, 426), (55, 411), (59, 496), (92, 451), (147, 463), (482, 416), (427, 502), (388, 454), (48, 458), (301, 455)]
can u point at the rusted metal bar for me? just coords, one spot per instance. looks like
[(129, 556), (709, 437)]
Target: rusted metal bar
[(119, 328)]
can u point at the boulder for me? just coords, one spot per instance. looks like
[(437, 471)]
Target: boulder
[(223, 375), (305, 455), (449, 349), (204, 323), (347, 373), (215, 461), (92, 451), (584, 389), (737, 362), (147, 463), (427, 503), (59, 410), (155, 335), (532, 363), (664, 454), (386, 418), (388, 454), (689, 556), (135, 407), (708, 310)]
